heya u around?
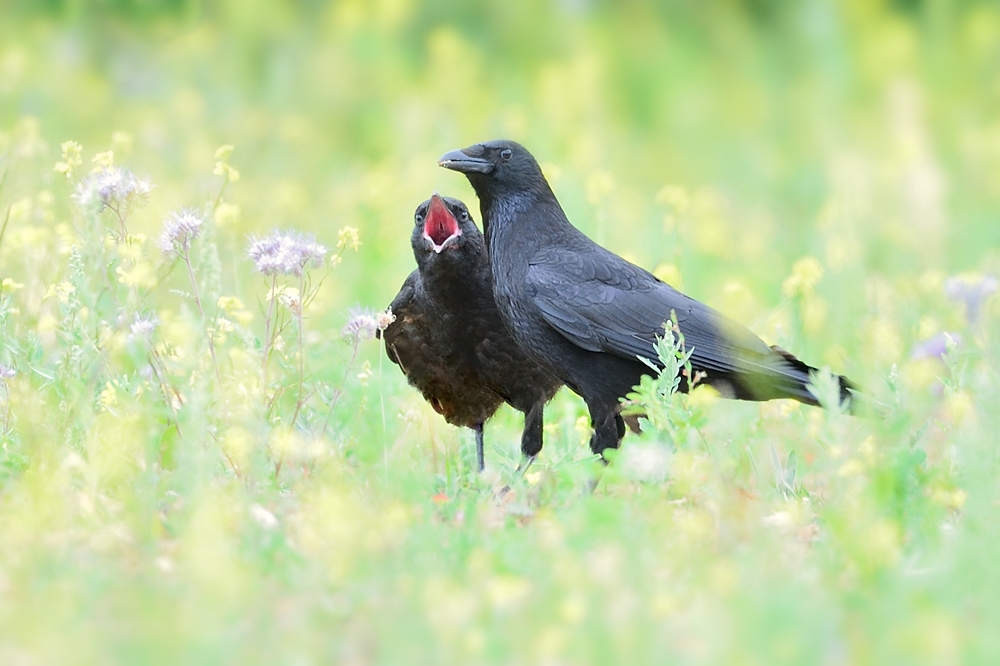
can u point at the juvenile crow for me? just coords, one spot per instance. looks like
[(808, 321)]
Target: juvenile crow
[(448, 337), (588, 314)]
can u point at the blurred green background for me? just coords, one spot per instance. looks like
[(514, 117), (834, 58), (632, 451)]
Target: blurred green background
[(816, 169)]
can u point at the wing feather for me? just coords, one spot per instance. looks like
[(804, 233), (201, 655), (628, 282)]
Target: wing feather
[(600, 302)]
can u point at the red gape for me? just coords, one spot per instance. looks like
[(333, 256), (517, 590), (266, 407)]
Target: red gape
[(440, 224)]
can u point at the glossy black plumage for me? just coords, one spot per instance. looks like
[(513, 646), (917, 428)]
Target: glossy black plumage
[(588, 314), (448, 337)]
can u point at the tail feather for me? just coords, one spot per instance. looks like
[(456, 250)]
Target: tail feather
[(802, 374)]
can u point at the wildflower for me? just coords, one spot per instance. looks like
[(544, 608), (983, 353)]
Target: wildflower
[(6, 372), (347, 237), (108, 397), (973, 290), (366, 373), (222, 167), (675, 196), (143, 326), (937, 347), (289, 297), (180, 228), (227, 214), (384, 318), (70, 158), (9, 286), (806, 272), (112, 187), (62, 291), (287, 253), (104, 161), (361, 326)]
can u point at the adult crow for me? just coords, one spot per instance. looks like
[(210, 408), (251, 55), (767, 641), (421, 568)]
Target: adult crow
[(590, 315), (448, 337)]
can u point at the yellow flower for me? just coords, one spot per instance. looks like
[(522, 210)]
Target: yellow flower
[(953, 499), (347, 237), (227, 214), (109, 397), (229, 304), (8, 286), (70, 158), (226, 171), (222, 167), (103, 161), (805, 274), (62, 291), (675, 196), (366, 373), (141, 275)]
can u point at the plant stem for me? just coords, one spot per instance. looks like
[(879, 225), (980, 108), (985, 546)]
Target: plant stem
[(340, 390), (267, 329), (298, 316), (186, 255)]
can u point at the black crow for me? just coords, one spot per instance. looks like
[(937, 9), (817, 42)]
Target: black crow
[(589, 315), (448, 337)]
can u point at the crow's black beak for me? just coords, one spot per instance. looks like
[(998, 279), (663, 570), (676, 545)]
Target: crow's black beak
[(459, 160)]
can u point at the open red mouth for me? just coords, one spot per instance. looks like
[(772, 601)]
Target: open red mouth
[(440, 225)]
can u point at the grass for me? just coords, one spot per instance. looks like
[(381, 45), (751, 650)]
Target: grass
[(204, 463)]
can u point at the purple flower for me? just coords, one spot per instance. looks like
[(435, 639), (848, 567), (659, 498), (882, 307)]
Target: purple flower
[(112, 187), (179, 229), (286, 253), (937, 347), (971, 290), (361, 326), (143, 326), (6, 372)]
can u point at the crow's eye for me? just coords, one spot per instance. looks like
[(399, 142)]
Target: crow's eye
[(418, 218), (506, 153), (465, 215)]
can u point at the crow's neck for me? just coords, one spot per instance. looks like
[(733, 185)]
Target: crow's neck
[(517, 223), (458, 282)]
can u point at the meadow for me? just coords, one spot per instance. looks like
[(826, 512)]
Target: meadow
[(206, 458)]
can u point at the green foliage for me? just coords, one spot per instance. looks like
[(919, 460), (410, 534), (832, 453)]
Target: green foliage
[(204, 462)]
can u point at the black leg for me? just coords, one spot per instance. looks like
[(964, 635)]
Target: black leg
[(620, 425), (480, 455), (531, 436), (608, 430)]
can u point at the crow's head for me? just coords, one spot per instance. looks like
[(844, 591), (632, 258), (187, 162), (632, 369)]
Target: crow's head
[(496, 167), (442, 227)]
